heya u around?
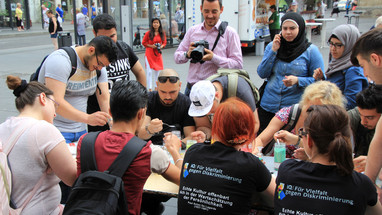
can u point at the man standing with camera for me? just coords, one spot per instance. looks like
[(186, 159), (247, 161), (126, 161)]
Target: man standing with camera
[(207, 59)]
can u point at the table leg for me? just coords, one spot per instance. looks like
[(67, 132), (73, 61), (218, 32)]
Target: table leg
[(323, 34), (309, 33)]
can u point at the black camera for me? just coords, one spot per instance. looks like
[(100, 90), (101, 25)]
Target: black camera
[(198, 52), (158, 47)]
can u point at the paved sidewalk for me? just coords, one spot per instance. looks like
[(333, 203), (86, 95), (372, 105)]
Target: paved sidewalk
[(365, 24), (35, 29)]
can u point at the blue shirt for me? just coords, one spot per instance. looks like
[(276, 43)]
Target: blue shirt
[(93, 12), (350, 81), (85, 11), (276, 94), (60, 11)]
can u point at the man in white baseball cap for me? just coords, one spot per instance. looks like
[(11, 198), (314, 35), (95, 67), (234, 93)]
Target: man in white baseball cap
[(202, 97), (205, 98)]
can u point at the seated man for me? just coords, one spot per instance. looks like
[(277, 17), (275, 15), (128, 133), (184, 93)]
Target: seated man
[(167, 110), (128, 102), (363, 120), (206, 97)]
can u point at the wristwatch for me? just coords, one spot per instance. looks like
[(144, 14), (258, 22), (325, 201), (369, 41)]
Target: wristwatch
[(185, 55), (147, 129)]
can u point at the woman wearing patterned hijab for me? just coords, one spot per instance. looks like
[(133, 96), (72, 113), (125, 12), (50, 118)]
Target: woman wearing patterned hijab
[(348, 78), (288, 65)]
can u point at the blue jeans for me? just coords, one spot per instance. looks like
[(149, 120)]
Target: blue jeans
[(187, 91), (72, 137), (81, 39)]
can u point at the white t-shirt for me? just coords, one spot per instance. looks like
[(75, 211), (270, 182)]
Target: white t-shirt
[(78, 88), (159, 160), (28, 163)]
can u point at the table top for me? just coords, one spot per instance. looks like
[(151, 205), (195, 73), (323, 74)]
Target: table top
[(359, 11), (307, 12), (313, 23), (159, 185), (325, 19)]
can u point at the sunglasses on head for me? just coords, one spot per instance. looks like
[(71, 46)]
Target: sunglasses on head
[(163, 79)]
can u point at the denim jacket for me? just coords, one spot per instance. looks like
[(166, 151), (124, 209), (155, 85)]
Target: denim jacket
[(350, 81), (276, 94)]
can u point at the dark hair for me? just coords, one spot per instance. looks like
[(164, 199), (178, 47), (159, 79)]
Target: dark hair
[(104, 21), (370, 98), (234, 122), (126, 99), (220, 2), (273, 7), (152, 31), (368, 43), (329, 128), (105, 46), (49, 11), (26, 92)]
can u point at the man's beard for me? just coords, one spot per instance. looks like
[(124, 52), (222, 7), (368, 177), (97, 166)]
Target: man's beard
[(167, 104)]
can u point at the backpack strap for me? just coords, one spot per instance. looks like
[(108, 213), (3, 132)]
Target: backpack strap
[(12, 141), (223, 25), (126, 156), (233, 79), (73, 58), (122, 45), (120, 164), (294, 115), (87, 157)]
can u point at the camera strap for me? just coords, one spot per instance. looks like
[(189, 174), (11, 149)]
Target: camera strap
[(223, 25)]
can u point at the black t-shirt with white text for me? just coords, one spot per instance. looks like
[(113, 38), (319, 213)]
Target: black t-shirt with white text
[(312, 188), (218, 179)]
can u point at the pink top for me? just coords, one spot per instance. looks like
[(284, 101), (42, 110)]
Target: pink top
[(28, 163), (227, 53)]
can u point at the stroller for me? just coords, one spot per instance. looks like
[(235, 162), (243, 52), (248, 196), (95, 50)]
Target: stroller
[(137, 39)]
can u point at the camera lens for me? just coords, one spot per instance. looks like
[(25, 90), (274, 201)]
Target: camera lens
[(198, 53)]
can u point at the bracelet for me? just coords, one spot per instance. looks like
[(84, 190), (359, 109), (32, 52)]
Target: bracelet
[(147, 129), (180, 159), (205, 134), (298, 142)]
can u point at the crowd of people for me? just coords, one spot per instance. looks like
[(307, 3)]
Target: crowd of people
[(329, 118)]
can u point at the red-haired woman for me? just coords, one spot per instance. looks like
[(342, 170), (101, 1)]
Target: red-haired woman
[(328, 178), (224, 178), (154, 40)]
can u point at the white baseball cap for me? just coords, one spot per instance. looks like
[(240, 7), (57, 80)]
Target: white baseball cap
[(202, 98)]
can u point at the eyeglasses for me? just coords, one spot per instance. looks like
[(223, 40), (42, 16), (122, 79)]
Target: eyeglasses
[(98, 63), (302, 133), (56, 104), (163, 79), (335, 45)]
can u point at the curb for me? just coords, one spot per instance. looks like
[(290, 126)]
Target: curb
[(25, 34)]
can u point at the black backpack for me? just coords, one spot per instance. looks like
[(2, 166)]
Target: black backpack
[(97, 192), (73, 59)]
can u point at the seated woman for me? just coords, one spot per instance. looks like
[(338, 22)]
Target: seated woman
[(327, 184), (40, 157), (219, 173), (350, 79), (322, 92)]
